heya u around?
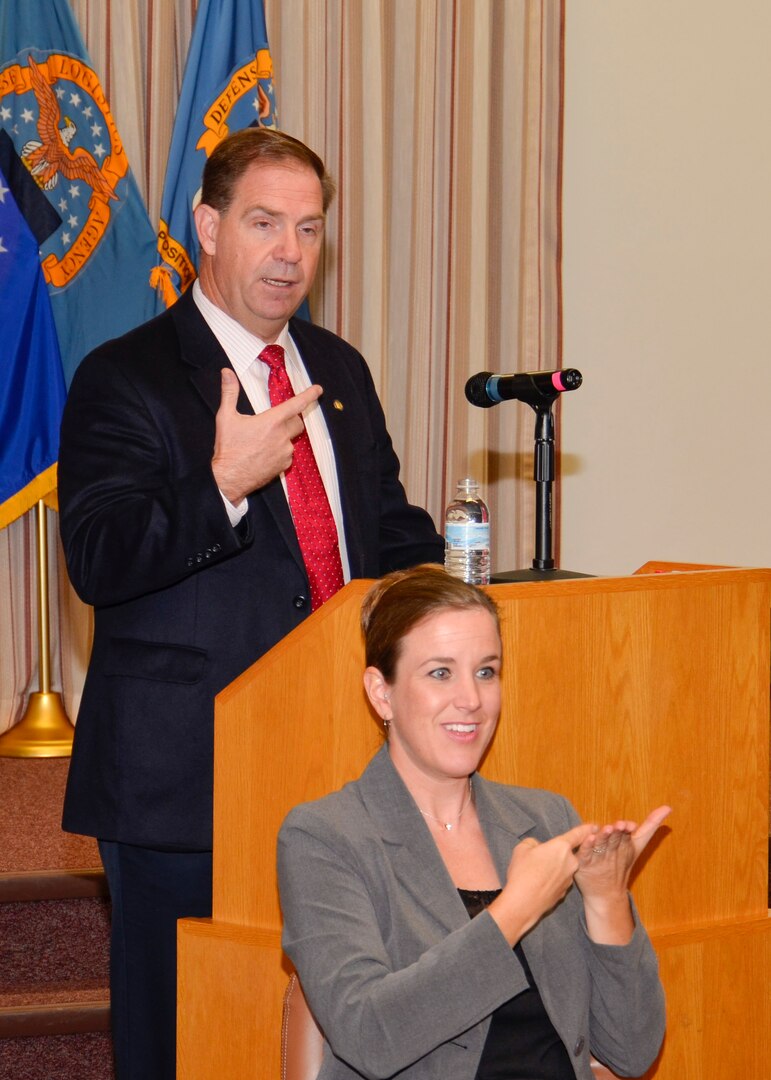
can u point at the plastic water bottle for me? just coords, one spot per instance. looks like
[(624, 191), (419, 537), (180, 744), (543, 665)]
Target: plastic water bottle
[(467, 535)]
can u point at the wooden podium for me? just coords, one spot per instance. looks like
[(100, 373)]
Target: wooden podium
[(621, 693)]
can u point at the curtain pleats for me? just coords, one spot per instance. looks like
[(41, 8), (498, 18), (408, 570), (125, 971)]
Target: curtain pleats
[(441, 121)]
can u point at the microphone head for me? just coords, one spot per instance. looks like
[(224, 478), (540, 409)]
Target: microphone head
[(569, 379), (476, 390)]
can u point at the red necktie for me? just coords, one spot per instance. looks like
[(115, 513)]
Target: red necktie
[(313, 520)]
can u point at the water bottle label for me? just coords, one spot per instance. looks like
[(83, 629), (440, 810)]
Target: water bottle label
[(471, 534)]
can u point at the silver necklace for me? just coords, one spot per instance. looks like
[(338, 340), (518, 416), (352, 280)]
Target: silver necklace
[(449, 825)]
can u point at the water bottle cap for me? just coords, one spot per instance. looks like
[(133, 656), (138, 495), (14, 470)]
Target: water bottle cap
[(468, 485)]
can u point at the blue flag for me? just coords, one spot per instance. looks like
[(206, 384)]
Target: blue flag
[(97, 263), (227, 85), (31, 379)]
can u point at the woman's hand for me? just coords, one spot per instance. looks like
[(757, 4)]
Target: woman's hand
[(605, 861), (538, 877)]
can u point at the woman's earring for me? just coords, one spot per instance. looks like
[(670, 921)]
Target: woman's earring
[(386, 719)]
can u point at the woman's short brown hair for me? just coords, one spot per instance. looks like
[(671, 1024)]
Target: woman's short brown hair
[(398, 602), (257, 145)]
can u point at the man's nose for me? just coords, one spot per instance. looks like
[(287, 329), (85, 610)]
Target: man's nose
[(288, 247)]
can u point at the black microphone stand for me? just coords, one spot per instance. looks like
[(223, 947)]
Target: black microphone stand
[(543, 568)]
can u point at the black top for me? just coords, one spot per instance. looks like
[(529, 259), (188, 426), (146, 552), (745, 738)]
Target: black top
[(522, 1043)]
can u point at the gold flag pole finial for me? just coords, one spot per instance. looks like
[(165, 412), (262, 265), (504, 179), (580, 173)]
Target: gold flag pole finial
[(44, 730)]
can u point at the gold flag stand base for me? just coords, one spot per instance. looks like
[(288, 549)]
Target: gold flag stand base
[(43, 731)]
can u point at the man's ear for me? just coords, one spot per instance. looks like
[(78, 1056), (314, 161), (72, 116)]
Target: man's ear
[(207, 221), (378, 692)]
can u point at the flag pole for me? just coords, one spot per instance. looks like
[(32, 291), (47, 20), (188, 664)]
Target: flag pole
[(44, 730)]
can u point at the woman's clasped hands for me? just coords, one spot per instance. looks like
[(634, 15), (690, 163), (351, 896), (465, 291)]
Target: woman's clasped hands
[(599, 859)]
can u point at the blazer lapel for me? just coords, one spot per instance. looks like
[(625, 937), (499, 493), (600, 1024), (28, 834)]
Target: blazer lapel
[(505, 824), (421, 871), (413, 855)]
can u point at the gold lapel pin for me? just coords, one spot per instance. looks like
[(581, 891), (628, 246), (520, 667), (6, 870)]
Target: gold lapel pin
[(337, 404)]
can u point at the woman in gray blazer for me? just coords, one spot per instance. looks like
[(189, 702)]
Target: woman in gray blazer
[(378, 881)]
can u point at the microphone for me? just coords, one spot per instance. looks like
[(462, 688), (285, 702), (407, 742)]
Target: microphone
[(533, 387)]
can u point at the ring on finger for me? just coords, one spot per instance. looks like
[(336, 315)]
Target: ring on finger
[(600, 850)]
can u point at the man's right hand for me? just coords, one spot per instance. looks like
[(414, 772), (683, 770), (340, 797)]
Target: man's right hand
[(249, 451)]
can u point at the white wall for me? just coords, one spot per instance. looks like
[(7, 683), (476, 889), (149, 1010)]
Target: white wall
[(667, 283)]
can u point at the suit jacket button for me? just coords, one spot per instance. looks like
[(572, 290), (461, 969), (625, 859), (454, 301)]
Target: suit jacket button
[(189, 560), (299, 601), (216, 547), (579, 1046)]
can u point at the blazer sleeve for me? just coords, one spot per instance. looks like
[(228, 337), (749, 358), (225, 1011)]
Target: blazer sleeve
[(627, 1012), (377, 1017), (139, 508), (627, 1007)]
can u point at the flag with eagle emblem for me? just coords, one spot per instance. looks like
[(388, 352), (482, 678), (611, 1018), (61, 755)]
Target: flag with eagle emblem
[(227, 85), (97, 262)]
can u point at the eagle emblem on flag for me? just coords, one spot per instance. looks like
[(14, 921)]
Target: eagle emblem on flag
[(75, 156), (50, 155)]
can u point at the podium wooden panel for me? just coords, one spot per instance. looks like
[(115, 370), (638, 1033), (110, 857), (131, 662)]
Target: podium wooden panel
[(622, 693)]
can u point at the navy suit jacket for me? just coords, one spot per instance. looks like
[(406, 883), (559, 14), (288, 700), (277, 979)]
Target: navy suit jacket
[(183, 602)]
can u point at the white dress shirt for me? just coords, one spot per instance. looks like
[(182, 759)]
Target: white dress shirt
[(242, 350)]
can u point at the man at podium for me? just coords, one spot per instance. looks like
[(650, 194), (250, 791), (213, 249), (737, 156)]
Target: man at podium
[(223, 470)]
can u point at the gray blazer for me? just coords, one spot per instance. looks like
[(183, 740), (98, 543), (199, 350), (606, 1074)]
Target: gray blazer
[(399, 977)]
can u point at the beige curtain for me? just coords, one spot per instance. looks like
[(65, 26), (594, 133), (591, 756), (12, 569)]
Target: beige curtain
[(441, 120)]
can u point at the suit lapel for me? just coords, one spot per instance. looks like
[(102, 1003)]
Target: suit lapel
[(205, 359), (202, 353)]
